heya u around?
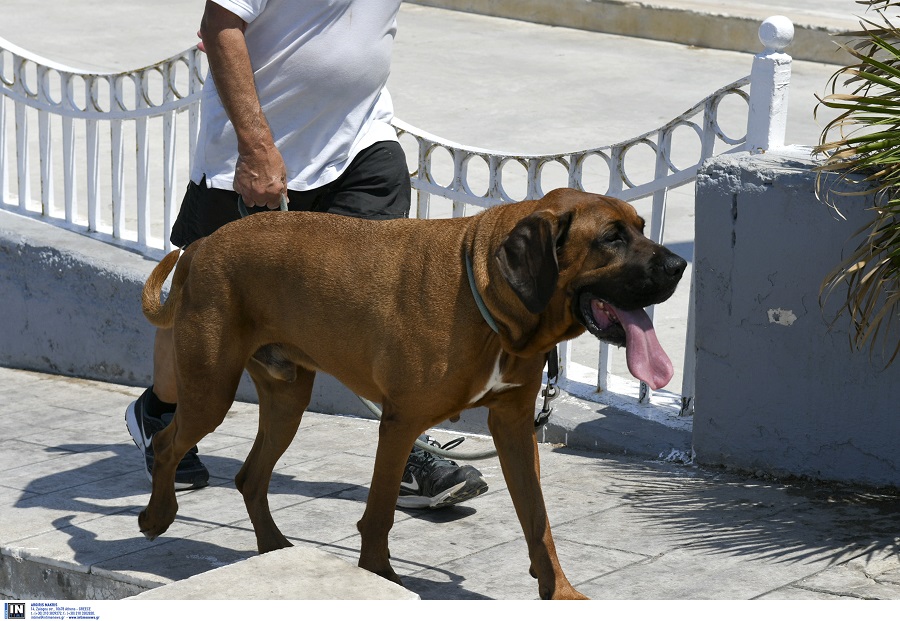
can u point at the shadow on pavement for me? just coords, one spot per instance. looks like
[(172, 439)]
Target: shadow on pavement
[(783, 522)]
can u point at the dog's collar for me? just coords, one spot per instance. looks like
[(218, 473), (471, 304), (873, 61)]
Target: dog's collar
[(479, 301)]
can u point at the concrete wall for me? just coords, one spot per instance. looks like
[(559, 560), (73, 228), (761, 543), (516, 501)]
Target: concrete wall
[(72, 306), (777, 389), (52, 288)]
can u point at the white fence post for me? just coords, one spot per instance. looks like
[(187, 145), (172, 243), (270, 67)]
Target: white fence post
[(770, 79)]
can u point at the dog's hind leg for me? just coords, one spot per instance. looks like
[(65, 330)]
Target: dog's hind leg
[(512, 429), (281, 406), (395, 441)]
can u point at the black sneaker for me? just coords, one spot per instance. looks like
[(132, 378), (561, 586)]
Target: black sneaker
[(191, 473), (432, 482)]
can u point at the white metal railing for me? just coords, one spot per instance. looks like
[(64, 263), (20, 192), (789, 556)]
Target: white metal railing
[(81, 106), (88, 122)]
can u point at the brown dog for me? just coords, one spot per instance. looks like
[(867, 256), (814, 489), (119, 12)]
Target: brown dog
[(388, 309)]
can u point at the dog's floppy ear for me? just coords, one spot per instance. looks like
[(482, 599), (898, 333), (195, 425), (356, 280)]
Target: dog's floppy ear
[(527, 257)]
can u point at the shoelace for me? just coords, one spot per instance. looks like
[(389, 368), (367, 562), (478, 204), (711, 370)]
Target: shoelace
[(431, 458), (449, 445)]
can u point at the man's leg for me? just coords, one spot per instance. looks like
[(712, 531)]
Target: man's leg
[(164, 384), (154, 409), (202, 211)]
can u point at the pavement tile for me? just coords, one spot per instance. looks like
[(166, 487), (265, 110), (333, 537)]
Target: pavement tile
[(321, 522), (444, 536), (69, 468), (15, 453), (682, 574), (500, 568), (795, 593), (26, 514), (23, 381), (215, 506), (584, 562), (504, 568), (70, 402), (18, 423), (325, 475), (849, 582), (316, 438), (222, 454), (623, 528), (889, 577), (84, 395), (317, 509), (78, 546), (878, 561), (74, 439)]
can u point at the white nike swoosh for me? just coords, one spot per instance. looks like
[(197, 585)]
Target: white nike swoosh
[(147, 439), (413, 486)]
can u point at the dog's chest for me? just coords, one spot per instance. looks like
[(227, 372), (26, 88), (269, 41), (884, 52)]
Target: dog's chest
[(494, 384)]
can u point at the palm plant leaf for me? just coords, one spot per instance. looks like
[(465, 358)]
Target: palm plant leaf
[(862, 145)]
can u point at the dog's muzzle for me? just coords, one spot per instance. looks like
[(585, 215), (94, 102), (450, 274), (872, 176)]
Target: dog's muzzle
[(630, 326)]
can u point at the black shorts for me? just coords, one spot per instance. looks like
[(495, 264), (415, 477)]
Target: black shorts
[(375, 187)]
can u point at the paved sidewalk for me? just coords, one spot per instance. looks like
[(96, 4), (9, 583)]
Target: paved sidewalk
[(72, 484)]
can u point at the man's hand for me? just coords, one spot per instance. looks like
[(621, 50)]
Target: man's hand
[(260, 177), (260, 174)]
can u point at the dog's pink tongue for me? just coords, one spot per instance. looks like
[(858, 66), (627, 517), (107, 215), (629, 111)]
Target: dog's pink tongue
[(645, 356)]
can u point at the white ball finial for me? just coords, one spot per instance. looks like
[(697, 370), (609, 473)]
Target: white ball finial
[(776, 33)]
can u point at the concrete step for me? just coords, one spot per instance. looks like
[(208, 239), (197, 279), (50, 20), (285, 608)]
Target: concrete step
[(703, 23), (288, 574)]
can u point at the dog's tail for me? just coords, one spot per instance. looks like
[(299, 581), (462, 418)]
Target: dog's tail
[(162, 315)]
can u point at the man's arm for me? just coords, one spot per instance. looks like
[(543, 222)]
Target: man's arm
[(260, 175)]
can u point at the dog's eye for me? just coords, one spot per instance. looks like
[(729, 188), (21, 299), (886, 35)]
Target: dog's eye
[(613, 237)]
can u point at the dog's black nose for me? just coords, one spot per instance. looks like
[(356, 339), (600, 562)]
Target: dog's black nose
[(674, 265)]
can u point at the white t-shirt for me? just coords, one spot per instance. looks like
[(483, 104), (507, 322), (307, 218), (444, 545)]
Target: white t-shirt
[(320, 68)]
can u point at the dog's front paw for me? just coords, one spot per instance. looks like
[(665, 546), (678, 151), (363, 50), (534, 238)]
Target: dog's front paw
[(148, 536), (150, 532), (151, 528)]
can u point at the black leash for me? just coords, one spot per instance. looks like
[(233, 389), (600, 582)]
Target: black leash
[(551, 391)]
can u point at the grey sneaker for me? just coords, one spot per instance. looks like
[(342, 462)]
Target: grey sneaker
[(432, 482), (191, 473)]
